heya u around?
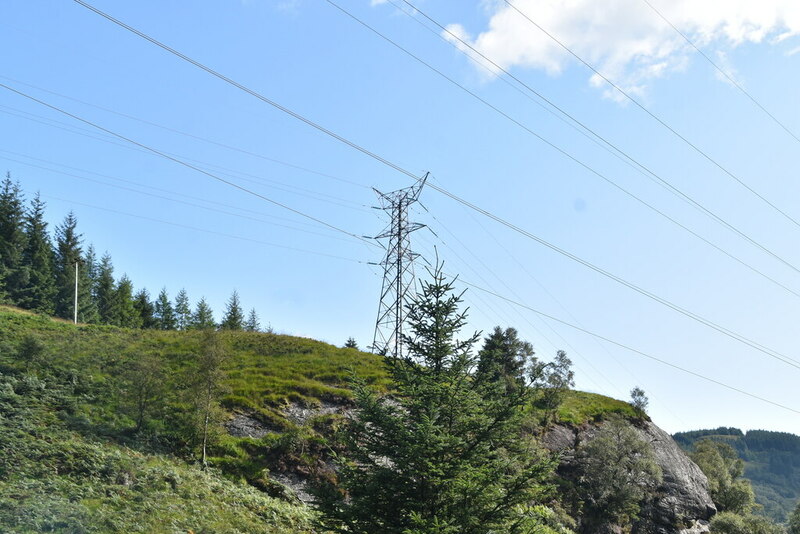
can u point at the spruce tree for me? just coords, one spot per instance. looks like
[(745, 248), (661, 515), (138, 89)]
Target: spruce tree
[(183, 310), (67, 253), (203, 317), (38, 283), (446, 454), (145, 309), (87, 278), (126, 313), (12, 240), (105, 291), (252, 324), (234, 317), (164, 314)]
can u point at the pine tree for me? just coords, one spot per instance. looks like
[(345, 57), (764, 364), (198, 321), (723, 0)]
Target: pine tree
[(446, 454), (183, 310), (126, 313), (68, 253), (351, 343), (104, 291), (164, 314), (234, 317), (252, 324), (38, 288), (12, 239), (203, 317), (145, 309)]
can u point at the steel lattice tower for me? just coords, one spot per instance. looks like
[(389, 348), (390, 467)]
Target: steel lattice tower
[(398, 268)]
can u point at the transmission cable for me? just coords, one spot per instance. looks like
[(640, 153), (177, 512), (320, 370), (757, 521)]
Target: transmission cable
[(761, 348), (649, 173), (597, 173), (723, 72), (212, 232), (628, 347), (654, 116), (190, 135), (177, 201), (184, 163)]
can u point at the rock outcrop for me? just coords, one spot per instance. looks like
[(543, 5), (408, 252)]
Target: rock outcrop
[(682, 504)]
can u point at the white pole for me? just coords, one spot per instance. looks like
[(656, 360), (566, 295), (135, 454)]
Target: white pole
[(76, 292)]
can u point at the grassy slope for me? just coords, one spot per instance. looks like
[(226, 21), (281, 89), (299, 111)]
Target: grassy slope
[(67, 418)]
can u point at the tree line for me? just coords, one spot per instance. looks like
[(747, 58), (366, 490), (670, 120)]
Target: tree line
[(38, 273)]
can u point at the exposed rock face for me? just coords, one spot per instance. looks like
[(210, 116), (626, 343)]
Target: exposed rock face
[(682, 504)]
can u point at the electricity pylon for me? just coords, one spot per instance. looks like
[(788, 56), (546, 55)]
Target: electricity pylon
[(398, 268)]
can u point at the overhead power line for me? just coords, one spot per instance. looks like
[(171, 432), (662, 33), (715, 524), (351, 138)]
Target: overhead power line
[(169, 199), (629, 348), (654, 116), (723, 72), (613, 148), (729, 333), (181, 162), (190, 135)]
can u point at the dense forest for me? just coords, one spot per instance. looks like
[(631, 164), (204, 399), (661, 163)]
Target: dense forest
[(771, 462), (38, 273)]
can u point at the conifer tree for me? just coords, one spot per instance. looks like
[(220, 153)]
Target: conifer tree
[(104, 291), (87, 278), (203, 317), (183, 310), (252, 324), (145, 309), (126, 313), (12, 239), (67, 253), (164, 314), (351, 343), (504, 358), (234, 317), (38, 288), (446, 454)]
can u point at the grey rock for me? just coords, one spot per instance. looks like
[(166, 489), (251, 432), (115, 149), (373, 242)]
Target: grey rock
[(682, 504)]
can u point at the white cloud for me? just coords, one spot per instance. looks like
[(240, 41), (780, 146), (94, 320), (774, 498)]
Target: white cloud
[(624, 39)]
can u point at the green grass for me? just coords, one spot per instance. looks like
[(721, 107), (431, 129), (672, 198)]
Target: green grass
[(580, 407), (70, 460), (55, 479)]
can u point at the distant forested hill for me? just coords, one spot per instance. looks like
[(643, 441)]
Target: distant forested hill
[(772, 463)]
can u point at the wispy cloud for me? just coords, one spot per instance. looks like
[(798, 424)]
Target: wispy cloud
[(625, 39)]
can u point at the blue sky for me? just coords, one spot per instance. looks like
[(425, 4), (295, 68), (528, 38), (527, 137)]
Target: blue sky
[(169, 226)]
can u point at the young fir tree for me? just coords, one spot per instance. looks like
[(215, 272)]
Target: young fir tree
[(164, 313), (12, 239), (183, 310), (203, 317), (446, 454), (105, 291), (38, 291), (234, 316), (351, 343), (145, 309), (126, 313), (252, 324)]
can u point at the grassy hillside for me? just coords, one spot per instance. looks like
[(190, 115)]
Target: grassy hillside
[(772, 463), (73, 460)]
